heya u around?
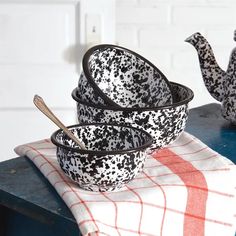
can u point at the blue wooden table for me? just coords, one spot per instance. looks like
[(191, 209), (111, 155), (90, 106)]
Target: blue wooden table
[(207, 124), (30, 206)]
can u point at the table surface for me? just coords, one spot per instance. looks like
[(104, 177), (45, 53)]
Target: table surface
[(207, 124), (24, 189)]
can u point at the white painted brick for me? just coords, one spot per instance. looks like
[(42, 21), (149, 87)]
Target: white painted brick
[(222, 44), (222, 57), (159, 57), (221, 41), (165, 37), (221, 36), (221, 2), (153, 3), (126, 3), (126, 36), (156, 3), (139, 15), (207, 16), (156, 29), (186, 59)]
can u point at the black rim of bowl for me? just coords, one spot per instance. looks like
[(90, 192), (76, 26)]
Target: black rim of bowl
[(113, 152), (139, 109), (93, 83)]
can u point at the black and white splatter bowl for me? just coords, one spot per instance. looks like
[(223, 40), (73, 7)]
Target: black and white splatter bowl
[(164, 123), (88, 93), (119, 77), (114, 155)]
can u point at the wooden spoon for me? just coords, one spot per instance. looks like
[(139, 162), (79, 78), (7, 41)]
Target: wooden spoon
[(40, 104)]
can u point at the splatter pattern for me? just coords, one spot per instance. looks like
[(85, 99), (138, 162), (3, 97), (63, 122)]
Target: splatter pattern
[(122, 78), (165, 123), (114, 155)]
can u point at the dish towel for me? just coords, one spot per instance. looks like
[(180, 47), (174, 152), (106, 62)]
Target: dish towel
[(185, 189)]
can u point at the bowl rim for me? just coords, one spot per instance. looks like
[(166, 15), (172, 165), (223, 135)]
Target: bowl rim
[(138, 109), (96, 88), (146, 145)]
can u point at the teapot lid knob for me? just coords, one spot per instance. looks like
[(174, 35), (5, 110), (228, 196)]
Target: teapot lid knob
[(234, 35)]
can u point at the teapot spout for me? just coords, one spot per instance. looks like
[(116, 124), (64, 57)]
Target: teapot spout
[(212, 74)]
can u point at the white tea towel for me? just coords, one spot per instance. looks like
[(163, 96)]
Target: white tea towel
[(185, 189)]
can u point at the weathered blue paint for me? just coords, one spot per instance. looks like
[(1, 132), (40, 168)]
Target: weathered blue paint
[(207, 124), (24, 189)]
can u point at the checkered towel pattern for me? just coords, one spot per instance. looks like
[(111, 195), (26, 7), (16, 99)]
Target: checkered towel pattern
[(185, 189)]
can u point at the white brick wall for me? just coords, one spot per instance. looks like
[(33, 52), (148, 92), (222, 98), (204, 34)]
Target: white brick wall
[(157, 28)]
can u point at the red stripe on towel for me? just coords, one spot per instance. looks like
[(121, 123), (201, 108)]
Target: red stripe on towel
[(196, 217), (141, 207), (194, 177), (164, 195), (116, 210)]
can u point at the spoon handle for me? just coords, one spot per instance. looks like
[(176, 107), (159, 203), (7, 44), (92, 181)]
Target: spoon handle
[(40, 104)]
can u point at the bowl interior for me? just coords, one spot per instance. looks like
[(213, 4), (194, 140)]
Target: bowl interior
[(180, 93), (126, 78), (103, 137)]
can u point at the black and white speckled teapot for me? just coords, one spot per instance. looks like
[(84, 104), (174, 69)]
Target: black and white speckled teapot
[(220, 84)]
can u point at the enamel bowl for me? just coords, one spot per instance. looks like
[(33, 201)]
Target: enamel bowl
[(118, 77), (164, 123), (88, 93), (114, 155)]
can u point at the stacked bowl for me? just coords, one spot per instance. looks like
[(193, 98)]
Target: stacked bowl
[(126, 108), (119, 86)]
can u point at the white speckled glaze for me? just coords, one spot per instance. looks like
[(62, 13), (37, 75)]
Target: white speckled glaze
[(164, 123), (88, 93), (220, 84), (114, 155), (116, 76)]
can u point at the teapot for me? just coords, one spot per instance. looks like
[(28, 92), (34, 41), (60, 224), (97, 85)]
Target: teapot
[(220, 84)]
